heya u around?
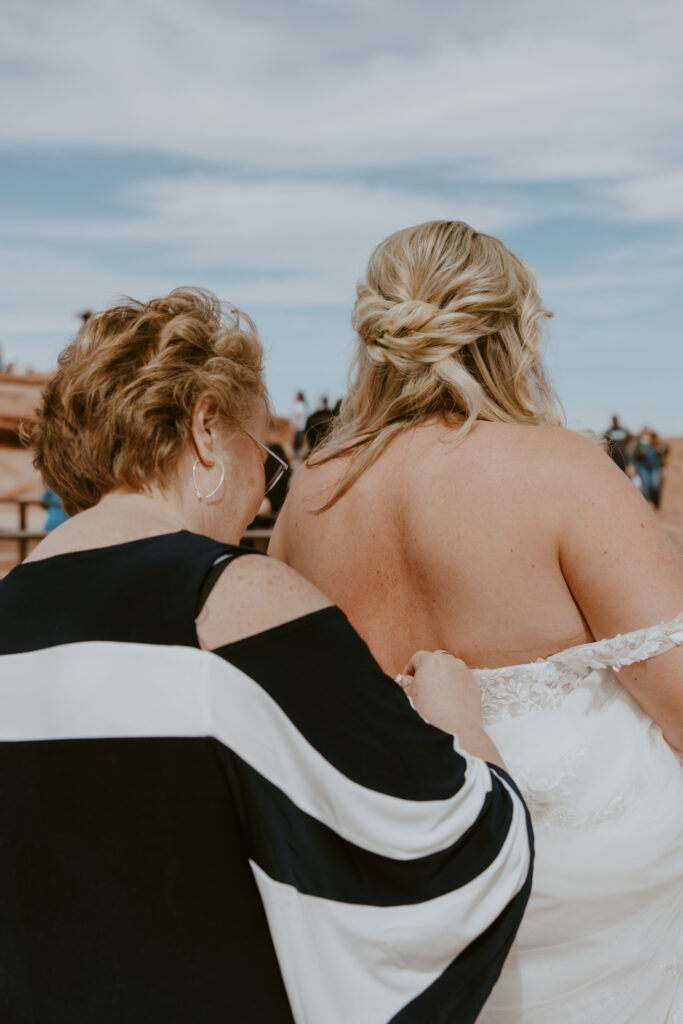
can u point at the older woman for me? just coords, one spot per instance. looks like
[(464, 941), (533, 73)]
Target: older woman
[(216, 806), (452, 509)]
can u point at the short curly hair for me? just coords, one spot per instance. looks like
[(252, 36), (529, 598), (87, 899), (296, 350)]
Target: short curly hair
[(117, 413)]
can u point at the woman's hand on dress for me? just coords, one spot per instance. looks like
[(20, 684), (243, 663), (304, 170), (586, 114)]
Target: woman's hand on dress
[(444, 692), (442, 689)]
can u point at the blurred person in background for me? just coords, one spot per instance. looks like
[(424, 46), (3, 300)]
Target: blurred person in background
[(214, 805), (632, 474), (648, 463), (298, 421), (451, 508), (55, 510), (662, 449), (617, 438), (318, 427)]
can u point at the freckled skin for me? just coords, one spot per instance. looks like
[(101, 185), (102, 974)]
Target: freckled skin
[(509, 546), (424, 553), (459, 545)]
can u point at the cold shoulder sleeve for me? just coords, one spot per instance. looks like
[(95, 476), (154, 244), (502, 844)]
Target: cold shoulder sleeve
[(394, 868)]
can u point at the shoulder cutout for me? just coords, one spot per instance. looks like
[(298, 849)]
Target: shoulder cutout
[(255, 593)]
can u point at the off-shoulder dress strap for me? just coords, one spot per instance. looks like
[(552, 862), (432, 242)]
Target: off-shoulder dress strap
[(624, 648)]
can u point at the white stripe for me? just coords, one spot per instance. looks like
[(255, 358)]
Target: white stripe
[(351, 964), (123, 690)]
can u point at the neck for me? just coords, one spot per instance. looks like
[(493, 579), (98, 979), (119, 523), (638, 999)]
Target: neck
[(153, 510)]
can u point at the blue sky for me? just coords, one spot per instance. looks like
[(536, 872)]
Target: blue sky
[(262, 149)]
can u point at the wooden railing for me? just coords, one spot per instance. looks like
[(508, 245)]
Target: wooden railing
[(257, 534), (21, 533)]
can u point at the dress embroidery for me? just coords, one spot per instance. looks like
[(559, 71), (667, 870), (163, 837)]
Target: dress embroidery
[(543, 685), (601, 941)]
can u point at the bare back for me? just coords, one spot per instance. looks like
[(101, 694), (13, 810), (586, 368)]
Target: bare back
[(474, 546)]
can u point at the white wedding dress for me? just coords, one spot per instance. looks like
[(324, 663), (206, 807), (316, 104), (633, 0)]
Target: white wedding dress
[(602, 939)]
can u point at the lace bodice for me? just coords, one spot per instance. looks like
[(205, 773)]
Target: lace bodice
[(542, 685), (601, 940)]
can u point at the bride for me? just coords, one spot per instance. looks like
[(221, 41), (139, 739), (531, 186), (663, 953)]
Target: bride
[(451, 509)]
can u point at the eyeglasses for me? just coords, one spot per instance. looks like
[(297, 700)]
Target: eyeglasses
[(273, 465)]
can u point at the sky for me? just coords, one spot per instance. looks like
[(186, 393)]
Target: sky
[(262, 149)]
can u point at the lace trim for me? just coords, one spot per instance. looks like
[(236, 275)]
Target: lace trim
[(542, 685)]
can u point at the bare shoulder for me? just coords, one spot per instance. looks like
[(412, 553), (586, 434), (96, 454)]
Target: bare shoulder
[(577, 448), (543, 441), (297, 503), (582, 468), (253, 594), (582, 482), (543, 460), (557, 453), (311, 488)]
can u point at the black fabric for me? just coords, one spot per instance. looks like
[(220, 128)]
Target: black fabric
[(126, 894), (142, 591), (317, 861), (408, 759), (458, 995)]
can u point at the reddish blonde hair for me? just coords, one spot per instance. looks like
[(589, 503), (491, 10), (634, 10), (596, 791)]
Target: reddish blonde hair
[(117, 412)]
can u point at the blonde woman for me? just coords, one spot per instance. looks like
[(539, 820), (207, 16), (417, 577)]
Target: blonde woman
[(452, 509)]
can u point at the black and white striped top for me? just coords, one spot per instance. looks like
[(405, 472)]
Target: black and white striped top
[(263, 833)]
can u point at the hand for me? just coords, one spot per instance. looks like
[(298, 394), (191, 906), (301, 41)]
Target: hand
[(444, 691)]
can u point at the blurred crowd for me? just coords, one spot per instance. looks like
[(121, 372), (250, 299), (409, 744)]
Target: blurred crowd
[(642, 457)]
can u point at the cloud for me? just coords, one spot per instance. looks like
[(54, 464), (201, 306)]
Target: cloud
[(581, 94), (614, 291), (653, 199), (279, 242), (288, 139)]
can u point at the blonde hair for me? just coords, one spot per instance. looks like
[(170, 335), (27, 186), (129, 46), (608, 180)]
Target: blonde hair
[(118, 410), (449, 321)]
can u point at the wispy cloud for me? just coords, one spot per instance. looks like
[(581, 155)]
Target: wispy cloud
[(297, 230), (288, 139), (651, 199), (554, 96)]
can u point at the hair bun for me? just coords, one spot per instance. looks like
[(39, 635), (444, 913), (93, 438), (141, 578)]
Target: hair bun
[(412, 332), (412, 316)]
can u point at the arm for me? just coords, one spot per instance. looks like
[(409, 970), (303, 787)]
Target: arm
[(442, 689), (421, 852), (621, 569)]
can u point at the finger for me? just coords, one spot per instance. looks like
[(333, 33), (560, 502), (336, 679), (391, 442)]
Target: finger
[(407, 683), (453, 657), (415, 662)]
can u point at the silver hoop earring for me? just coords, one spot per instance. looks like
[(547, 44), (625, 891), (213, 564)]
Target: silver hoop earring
[(197, 493)]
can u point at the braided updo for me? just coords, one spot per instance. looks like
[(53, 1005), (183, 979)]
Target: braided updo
[(448, 321)]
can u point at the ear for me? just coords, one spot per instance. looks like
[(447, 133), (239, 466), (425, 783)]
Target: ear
[(206, 421)]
